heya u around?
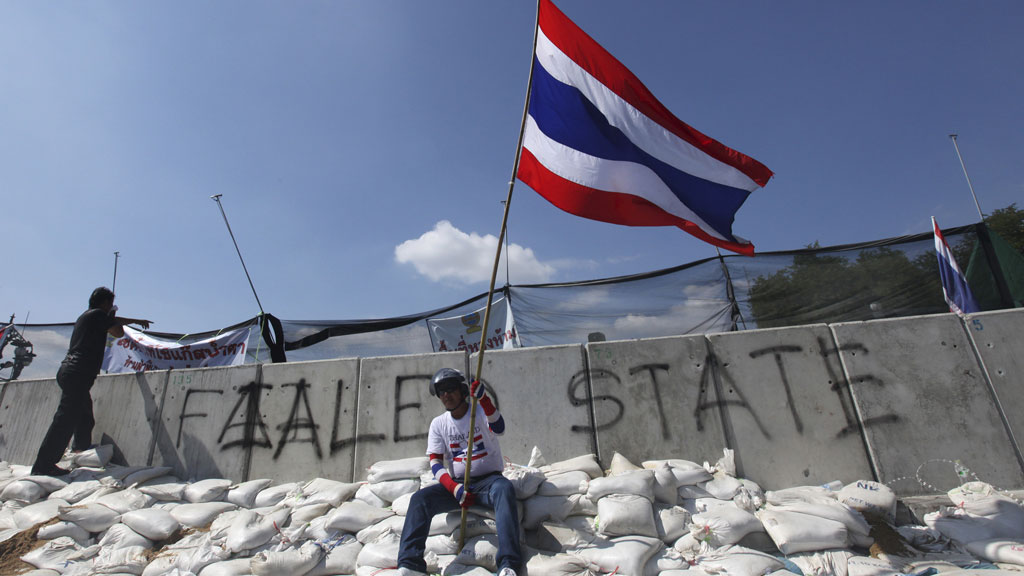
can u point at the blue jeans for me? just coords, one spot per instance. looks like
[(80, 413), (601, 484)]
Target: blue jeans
[(493, 491)]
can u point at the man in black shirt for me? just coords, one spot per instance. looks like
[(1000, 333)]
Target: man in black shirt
[(75, 377)]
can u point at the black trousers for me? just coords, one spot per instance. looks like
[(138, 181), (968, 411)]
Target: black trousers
[(73, 419)]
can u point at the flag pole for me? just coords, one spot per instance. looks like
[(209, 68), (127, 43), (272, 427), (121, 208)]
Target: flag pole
[(494, 274), (969, 185)]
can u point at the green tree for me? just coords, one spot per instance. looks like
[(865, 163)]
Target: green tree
[(1009, 224)]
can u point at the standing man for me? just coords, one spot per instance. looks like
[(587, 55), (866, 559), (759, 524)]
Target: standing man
[(447, 441), (75, 377)]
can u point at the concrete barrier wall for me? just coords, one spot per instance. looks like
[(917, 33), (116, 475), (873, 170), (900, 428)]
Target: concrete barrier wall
[(924, 402), (897, 400)]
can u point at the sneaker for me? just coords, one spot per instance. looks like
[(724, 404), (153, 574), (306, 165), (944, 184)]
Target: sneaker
[(53, 471), (507, 572)]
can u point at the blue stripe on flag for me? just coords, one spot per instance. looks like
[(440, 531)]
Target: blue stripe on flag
[(564, 115)]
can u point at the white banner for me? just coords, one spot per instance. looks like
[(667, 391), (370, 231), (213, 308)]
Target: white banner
[(139, 352), (463, 332)]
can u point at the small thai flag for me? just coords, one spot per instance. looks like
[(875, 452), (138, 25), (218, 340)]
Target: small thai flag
[(954, 285)]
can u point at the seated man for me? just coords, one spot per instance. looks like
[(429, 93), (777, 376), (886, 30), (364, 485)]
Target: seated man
[(447, 440)]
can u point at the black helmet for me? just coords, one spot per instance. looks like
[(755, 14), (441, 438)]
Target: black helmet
[(448, 376)]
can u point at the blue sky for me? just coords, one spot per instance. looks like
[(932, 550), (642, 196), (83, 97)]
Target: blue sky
[(364, 148)]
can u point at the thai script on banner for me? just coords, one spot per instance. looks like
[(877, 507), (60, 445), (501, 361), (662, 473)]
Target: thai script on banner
[(461, 333), (139, 352)]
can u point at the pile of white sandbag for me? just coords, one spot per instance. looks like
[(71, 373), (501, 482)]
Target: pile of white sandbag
[(670, 517)]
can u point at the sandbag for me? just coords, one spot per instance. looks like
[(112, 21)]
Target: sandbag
[(354, 516), (561, 565), (273, 495), (822, 563), (638, 482), (665, 486), (981, 499), (750, 497), (621, 464), (867, 566), (366, 496), (564, 484), (525, 479), (664, 560), (671, 522), (122, 536), (24, 491), (391, 524), (186, 560), (457, 568), (868, 497), (33, 514), (164, 489), (340, 558), (126, 500), (793, 532), (738, 561), (200, 514), (723, 486), (390, 490), (152, 523), (381, 553), (397, 469), (998, 550), (325, 490), (64, 529), (724, 525), (961, 527), (236, 567), (401, 504), (480, 551), (307, 512), (127, 560), (808, 494), (143, 474), (543, 508), (291, 561), (92, 517), (555, 537), (626, 555), (78, 491), (686, 473), (442, 545), (55, 555), (244, 495), (587, 463), (209, 490), (94, 457), (251, 529), (834, 510), (626, 514)]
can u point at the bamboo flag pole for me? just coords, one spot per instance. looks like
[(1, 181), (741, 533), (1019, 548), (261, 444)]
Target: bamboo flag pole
[(494, 275)]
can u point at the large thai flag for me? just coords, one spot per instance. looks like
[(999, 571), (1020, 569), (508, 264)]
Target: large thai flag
[(954, 286), (598, 144)]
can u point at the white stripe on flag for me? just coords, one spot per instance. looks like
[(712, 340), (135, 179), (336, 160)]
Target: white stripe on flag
[(610, 176), (645, 133)]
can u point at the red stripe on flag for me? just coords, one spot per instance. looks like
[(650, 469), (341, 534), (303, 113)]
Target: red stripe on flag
[(592, 57), (615, 208)]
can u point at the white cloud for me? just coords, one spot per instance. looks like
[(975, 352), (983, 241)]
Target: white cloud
[(447, 253)]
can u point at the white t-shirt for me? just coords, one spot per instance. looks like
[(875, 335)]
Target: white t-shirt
[(448, 436)]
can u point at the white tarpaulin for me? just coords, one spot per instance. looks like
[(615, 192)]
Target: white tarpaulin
[(139, 352), (463, 332)]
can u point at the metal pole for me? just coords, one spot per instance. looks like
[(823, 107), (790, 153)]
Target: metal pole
[(494, 275), (113, 287), (969, 185), (216, 198), (508, 277)]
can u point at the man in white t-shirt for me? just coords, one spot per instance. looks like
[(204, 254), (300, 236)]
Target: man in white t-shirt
[(447, 443)]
